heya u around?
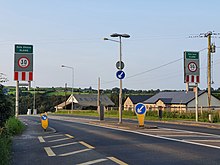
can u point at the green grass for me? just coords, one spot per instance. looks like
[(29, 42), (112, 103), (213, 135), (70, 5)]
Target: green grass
[(12, 127), (150, 115)]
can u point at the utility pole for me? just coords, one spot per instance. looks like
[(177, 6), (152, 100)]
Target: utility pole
[(208, 35), (211, 49)]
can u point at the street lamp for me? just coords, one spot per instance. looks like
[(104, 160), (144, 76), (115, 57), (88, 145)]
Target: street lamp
[(69, 67), (120, 62)]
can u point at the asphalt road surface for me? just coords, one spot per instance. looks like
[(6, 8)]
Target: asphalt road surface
[(87, 141)]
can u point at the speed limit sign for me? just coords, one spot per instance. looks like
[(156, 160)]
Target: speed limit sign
[(23, 62), (192, 66)]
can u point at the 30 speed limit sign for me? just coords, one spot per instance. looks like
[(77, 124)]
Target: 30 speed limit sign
[(23, 62)]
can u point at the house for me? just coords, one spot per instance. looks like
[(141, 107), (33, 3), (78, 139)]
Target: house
[(84, 101), (181, 101), (132, 100)]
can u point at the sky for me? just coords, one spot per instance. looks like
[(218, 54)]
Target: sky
[(71, 32)]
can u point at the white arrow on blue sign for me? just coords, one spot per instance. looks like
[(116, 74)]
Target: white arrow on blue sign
[(44, 117), (140, 109), (120, 74)]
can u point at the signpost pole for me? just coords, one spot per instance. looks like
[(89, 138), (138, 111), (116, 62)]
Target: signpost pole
[(196, 101), (120, 81), (17, 99)]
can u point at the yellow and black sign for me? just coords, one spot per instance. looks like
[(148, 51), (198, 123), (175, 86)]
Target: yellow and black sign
[(44, 121)]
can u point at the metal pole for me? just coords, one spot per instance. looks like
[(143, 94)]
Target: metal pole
[(120, 83), (17, 99), (209, 70), (72, 87), (98, 98), (196, 101)]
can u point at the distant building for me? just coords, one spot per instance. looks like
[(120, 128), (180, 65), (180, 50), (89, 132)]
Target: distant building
[(132, 100), (84, 102), (180, 101)]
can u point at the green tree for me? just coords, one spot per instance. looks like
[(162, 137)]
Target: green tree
[(6, 109)]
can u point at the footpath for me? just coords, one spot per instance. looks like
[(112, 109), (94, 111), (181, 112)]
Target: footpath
[(25, 148)]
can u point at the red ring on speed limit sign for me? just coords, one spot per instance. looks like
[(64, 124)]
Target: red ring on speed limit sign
[(192, 67), (23, 62)]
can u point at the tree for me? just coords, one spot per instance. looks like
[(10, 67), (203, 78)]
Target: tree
[(6, 109)]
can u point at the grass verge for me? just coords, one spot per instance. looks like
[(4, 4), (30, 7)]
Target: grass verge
[(12, 127)]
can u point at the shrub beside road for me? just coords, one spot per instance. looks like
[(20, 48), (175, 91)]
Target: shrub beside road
[(12, 127)]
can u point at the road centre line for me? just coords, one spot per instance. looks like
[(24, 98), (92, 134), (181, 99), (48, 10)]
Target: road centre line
[(62, 145), (75, 152), (57, 140), (49, 151), (93, 162), (41, 139), (71, 137), (87, 145), (117, 161)]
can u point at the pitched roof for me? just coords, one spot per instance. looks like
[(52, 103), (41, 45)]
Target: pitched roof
[(139, 98), (91, 100), (179, 97)]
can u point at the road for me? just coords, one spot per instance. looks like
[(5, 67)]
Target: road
[(87, 141)]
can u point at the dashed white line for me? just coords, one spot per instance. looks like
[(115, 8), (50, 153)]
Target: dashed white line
[(57, 140), (117, 161), (75, 152), (50, 136), (87, 145), (93, 162), (49, 151), (41, 139), (69, 136), (62, 145)]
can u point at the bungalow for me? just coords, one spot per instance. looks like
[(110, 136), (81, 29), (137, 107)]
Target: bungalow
[(180, 101), (132, 100), (84, 101)]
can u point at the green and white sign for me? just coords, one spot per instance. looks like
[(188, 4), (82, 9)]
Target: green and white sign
[(191, 64), (23, 48)]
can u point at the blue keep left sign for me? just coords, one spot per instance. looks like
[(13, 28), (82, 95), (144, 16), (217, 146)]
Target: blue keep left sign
[(44, 117), (140, 109), (120, 74)]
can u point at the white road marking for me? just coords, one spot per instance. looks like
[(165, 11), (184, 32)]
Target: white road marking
[(93, 162), (49, 151), (87, 145), (71, 137), (41, 139), (57, 140), (75, 152), (62, 145), (206, 140), (150, 135), (50, 136), (117, 161)]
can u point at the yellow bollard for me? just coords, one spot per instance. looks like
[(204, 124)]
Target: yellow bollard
[(44, 121), (140, 110)]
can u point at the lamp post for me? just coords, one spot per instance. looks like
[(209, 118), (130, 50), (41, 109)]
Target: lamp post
[(69, 67), (120, 63)]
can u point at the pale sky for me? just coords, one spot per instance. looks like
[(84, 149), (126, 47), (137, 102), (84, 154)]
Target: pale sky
[(71, 32)]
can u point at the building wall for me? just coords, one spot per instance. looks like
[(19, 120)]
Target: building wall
[(203, 102), (128, 105)]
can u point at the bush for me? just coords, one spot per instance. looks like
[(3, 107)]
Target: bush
[(14, 126)]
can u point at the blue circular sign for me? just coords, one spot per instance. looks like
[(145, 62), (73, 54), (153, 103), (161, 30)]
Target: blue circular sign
[(120, 74), (140, 109), (44, 117)]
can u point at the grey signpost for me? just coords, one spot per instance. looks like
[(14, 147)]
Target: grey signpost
[(192, 74), (23, 62)]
